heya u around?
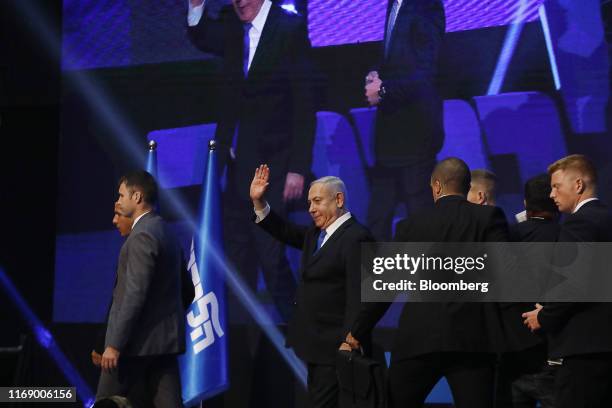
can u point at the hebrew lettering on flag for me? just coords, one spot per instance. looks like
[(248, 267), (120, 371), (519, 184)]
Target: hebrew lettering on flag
[(204, 366), (202, 321)]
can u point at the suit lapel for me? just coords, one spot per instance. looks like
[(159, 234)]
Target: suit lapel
[(329, 243), (266, 41), (389, 7)]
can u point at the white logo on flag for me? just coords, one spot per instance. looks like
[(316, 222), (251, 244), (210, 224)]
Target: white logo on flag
[(202, 322)]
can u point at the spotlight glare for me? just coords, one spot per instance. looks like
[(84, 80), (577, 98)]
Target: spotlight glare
[(290, 7), (510, 42)]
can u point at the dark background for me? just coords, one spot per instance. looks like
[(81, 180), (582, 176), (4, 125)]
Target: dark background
[(38, 109)]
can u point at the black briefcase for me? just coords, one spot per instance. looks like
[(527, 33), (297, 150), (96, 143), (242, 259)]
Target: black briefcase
[(361, 380)]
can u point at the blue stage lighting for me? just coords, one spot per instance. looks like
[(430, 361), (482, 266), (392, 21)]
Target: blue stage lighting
[(128, 139), (510, 42), (243, 293), (549, 47), (290, 7), (46, 341), (94, 94)]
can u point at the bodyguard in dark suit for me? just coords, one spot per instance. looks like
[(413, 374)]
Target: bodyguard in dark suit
[(328, 296), (267, 115), (146, 323), (524, 376), (579, 333), (408, 130), (454, 340)]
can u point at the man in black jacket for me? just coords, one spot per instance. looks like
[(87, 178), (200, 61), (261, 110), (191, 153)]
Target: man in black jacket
[(267, 115), (408, 129), (328, 297), (454, 340), (579, 333), (525, 377)]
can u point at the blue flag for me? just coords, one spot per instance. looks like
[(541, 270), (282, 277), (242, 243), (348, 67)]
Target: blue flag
[(152, 159), (204, 366)]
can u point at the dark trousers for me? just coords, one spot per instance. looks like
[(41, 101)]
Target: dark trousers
[(469, 375), (145, 381), (584, 381), (249, 247), (524, 378), (322, 386), (529, 389), (390, 186)]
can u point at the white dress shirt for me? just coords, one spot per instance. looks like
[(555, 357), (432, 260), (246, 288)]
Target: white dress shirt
[(580, 204), (194, 15), (138, 219), (261, 214), (334, 226)]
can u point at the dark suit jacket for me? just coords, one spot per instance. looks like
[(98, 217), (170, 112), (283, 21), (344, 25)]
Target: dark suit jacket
[(146, 316), (329, 292), (535, 230), (409, 119), (517, 336), (434, 327), (273, 107), (581, 328)]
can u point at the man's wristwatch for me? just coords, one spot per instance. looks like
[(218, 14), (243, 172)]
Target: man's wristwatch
[(382, 91)]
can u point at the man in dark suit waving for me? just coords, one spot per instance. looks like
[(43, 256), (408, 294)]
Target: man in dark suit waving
[(146, 322), (579, 333), (452, 339), (267, 115), (328, 297)]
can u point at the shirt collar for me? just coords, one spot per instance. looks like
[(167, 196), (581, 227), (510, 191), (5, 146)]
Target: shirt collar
[(445, 197), (336, 224), (580, 204), (260, 19), (399, 2), (138, 218)]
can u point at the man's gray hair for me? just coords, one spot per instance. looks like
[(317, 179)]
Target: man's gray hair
[(334, 184)]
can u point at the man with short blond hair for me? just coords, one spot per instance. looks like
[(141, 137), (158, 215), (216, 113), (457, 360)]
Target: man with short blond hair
[(482, 187), (577, 162), (580, 334), (573, 181)]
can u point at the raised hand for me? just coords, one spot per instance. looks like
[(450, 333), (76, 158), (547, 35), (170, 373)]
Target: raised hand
[(259, 185)]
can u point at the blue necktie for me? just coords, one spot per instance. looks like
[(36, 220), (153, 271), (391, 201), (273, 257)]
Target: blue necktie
[(321, 239), (246, 49), (391, 24), (246, 41)]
